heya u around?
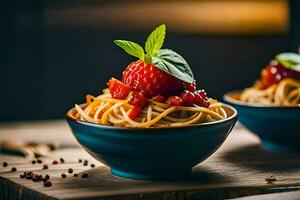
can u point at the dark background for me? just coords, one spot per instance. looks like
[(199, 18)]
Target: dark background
[(45, 71)]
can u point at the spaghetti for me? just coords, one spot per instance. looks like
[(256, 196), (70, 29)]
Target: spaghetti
[(106, 110), (284, 93)]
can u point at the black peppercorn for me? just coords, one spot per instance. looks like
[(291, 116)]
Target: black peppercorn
[(75, 175), (54, 162), (70, 170), (79, 160), (13, 169), (62, 160), (39, 161), (47, 177), (63, 175), (5, 164), (45, 166), (48, 184), (92, 165), (36, 178), (33, 162)]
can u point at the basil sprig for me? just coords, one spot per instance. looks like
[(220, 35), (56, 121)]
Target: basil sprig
[(289, 60), (165, 59)]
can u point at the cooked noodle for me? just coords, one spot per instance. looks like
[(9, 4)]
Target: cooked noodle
[(285, 93), (105, 110)]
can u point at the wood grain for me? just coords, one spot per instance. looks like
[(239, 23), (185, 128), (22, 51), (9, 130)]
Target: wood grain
[(238, 168)]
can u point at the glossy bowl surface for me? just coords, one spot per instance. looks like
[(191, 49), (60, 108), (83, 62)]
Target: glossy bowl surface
[(152, 153), (278, 127)]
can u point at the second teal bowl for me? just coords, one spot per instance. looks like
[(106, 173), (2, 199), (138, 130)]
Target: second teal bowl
[(277, 127), (152, 153)]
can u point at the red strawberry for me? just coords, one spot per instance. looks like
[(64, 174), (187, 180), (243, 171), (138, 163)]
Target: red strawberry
[(200, 101), (190, 86), (197, 97), (117, 89), (150, 80), (275, 72), (159, 98), (187, 97), (174, 101), (138, 99), (202, 93), (134, 113)]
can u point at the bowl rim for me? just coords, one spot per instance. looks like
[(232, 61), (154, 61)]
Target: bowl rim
[(227, 97), (232, 117)]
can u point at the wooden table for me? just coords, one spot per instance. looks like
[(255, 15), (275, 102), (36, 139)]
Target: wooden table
[(237, 169)]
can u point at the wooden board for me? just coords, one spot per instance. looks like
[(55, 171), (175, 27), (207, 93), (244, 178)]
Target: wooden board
[(238, 168)]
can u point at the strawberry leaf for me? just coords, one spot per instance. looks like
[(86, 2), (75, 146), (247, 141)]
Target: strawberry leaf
[(289, 60), (131, 48), (174, 64), (155, 40)]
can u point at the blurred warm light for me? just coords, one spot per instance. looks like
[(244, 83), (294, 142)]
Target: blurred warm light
[(241, 17)]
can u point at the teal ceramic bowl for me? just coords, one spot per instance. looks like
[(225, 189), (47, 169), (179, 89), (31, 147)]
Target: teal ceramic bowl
[(278, 127), (152, 153)]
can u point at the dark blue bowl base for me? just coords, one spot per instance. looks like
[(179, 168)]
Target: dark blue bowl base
[(271, 146), (137, 176)]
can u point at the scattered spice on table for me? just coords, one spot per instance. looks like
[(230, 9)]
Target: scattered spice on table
[(33, 162), (75, 175), (54, 162), (47, 184), (13, 169), (63, 175), (5, 164), (45, 166), (84, 175), (70, 170), (85, 163), (62, 160), (270, 179), (47, 177), (79, 160), (92, 165), (37, 177), (39, 161)]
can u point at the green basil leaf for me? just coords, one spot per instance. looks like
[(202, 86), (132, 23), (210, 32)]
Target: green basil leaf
[(289, 60), (131, 48), (174, 64), (155, 40)]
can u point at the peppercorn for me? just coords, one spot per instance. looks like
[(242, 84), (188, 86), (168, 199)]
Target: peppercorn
[(5, 164), (13, 169), (63, 175), (62, 160), (28, 176), (36, 178), (85, 163), (39, 161), (79, 160), (48, 184), (54, 162), (33, 162), (92, 165), (47, 177), (70, 170), (45, 166), (75, 175)]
